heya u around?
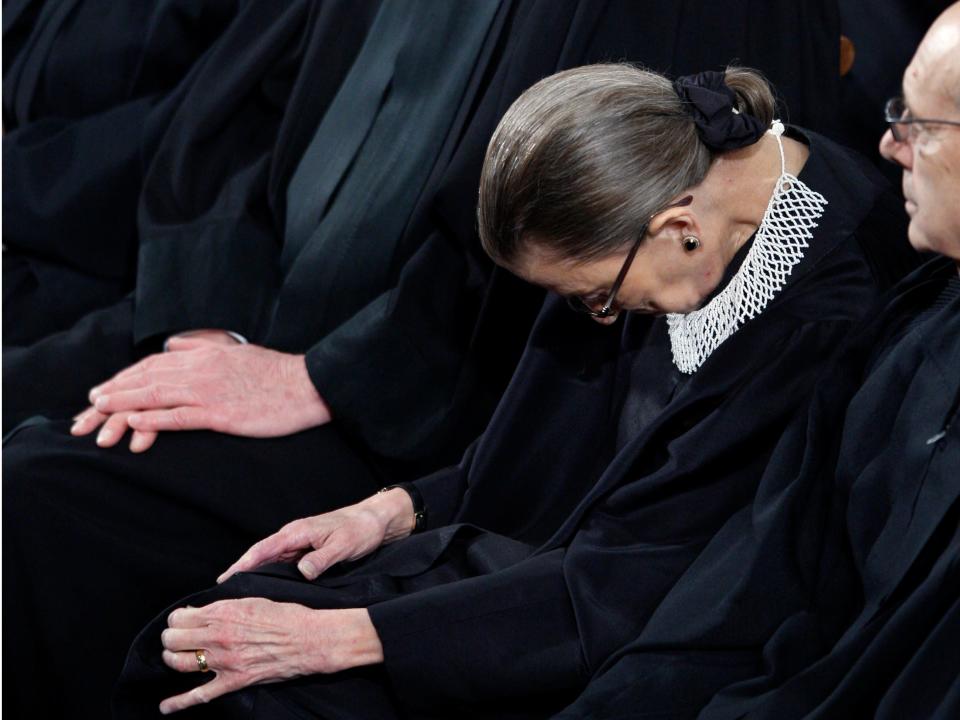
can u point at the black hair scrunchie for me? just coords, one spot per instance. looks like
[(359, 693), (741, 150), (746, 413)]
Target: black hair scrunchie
[(711, 104)]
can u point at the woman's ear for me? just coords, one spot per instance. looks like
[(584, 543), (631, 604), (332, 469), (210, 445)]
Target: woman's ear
[(674, 225)]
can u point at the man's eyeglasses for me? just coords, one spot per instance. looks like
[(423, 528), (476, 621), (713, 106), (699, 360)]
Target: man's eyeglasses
[(905, 127), (607, 301)]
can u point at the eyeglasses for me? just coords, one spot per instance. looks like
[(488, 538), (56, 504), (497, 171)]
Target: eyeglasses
[(607, 303), (904, 127)]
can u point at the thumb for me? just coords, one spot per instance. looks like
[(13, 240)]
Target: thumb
[(318, 561)]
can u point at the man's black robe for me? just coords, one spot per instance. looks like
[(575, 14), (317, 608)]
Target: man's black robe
[(475, 623), (836, 592), (87, 90)]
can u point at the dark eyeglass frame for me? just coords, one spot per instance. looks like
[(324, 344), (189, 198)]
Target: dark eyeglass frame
[(893, 114), (579, 304)]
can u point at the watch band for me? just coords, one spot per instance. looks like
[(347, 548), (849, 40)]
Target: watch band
[(419, 507)]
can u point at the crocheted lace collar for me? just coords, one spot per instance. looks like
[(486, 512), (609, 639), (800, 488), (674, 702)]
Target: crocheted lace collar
[(777, 247)]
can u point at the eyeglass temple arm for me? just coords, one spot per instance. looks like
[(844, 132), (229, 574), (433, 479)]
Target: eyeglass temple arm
[(622, 275)]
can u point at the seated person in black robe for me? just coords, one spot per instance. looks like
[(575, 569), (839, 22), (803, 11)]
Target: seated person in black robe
[(87, 89), (616, 452), (836, 593), (411, 374)]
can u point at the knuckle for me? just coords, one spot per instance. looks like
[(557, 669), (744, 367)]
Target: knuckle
[(222, 637), (222, 610), (155, 394)]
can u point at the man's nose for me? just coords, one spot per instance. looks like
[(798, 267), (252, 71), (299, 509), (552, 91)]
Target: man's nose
[(896, 151)]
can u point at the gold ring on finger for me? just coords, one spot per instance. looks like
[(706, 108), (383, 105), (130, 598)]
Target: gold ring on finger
[(202, 661)]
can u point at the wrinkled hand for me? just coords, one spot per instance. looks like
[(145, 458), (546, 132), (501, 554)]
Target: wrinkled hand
[(345, 534), (204, 384), (255, 641)]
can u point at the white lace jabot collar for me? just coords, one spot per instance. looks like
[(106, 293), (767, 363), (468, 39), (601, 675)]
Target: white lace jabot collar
[(777, 247)]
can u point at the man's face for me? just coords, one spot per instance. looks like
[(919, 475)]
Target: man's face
[(930, 158)]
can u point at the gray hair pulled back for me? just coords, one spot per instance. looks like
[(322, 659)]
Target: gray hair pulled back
[(583, 158)]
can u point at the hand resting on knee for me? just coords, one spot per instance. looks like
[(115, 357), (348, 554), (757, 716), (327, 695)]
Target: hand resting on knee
[(205, 383)]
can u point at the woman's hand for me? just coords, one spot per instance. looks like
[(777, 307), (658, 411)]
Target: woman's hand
[(345, 534), (255, 641)]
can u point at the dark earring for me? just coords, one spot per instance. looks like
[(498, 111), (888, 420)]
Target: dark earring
[(691, 243)]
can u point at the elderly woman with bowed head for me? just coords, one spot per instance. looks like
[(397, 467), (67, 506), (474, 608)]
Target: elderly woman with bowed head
[(706, 259)]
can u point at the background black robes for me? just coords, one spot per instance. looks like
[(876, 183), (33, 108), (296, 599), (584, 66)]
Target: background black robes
[(835, 592), (484, 625), (88, 89), (411, 376)]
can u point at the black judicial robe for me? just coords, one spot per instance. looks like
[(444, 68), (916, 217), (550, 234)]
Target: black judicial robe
[(87, 89), (412, 381), (76, 58), (205, 195), (482, 623), (835, 592)]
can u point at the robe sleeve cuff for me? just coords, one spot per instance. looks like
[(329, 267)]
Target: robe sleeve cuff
[(508, 634), (442, 493), (205, 275)]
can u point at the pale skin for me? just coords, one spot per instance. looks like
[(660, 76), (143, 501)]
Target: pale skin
[(254, 641), (257, 641), (206, 381), (930, 156)]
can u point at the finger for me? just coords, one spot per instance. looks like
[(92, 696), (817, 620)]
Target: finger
[(188, 617), (87, 421), (145, 398), (220, 685), (142, 441), (135, 369), (178, 418), (150, 364), (113, 430), (186, 639), (270, 549), (318, 561), (135, 379), (186, 661)]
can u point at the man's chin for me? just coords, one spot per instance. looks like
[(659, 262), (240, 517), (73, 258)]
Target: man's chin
[(919, 239)]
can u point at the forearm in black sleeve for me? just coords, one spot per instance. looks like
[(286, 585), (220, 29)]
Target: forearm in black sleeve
[(73, 188), (443, 490), (402, 374), (209, 246), (508, 634)]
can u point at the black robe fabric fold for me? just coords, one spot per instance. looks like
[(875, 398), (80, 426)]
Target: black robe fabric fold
[(68, 60), (477, 623), (88, 88), (210, 193), (412, 375), (834, 592)]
